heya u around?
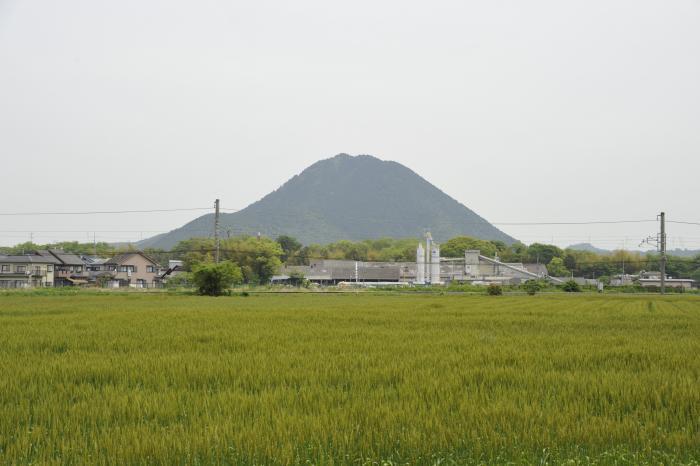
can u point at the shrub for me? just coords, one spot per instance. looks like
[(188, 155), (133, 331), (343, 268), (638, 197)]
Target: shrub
[(181, 280), (213, 279), (297, 279), (494, 290), (571, 287), (531, 287)]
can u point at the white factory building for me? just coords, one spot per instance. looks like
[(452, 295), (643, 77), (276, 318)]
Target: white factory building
[(428, 269)]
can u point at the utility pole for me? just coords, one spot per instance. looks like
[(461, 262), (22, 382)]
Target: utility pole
[(662, 242), (216, 230)]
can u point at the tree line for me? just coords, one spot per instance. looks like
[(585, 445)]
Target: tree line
[(256, 260)]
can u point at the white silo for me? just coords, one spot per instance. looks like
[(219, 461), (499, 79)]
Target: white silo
[(435, 264), (420, 265), (428, 248)]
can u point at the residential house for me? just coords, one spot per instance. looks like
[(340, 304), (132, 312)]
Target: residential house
[(95, 268), (70, 270), (26, 271), (134, 269)]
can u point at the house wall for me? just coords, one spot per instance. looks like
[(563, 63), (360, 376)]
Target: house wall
[(140, 272), (42, 275)]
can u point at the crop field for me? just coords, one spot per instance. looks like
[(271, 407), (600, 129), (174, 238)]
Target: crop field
[(147, 378)]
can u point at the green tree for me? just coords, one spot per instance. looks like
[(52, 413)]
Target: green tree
[(570, 261), (531, 287), (213, 279), (258, 258), (543, 253), (290, 247), (194, 251), (74, 247), (456, 246), (516, 252), (249, 275), (296, 278), (556, 268)]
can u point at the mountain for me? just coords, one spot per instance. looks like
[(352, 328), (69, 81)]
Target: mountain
[(588, 247), (671, 252), (683, 252), (351, 198)]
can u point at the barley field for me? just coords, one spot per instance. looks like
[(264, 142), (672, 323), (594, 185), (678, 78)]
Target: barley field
[(137, 378)]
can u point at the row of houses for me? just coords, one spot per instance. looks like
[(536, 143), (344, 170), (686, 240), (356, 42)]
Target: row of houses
[(56, 268)]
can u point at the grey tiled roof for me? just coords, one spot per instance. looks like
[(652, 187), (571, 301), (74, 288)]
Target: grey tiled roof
[(28, 259), (66, 258)]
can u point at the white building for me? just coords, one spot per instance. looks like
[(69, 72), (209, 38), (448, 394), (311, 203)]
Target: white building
[(428, 268)]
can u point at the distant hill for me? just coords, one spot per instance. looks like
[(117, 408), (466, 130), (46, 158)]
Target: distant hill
[(588, 247), (683, 252), (671, 252), (351, 198)]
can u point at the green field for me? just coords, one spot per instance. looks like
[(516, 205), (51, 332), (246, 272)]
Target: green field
[(349, 379)]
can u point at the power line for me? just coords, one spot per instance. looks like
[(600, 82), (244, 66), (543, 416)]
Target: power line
[(593, 222), (683, 222), (96, 212)]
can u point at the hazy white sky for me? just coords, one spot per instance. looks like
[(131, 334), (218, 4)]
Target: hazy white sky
[(523, 111)]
